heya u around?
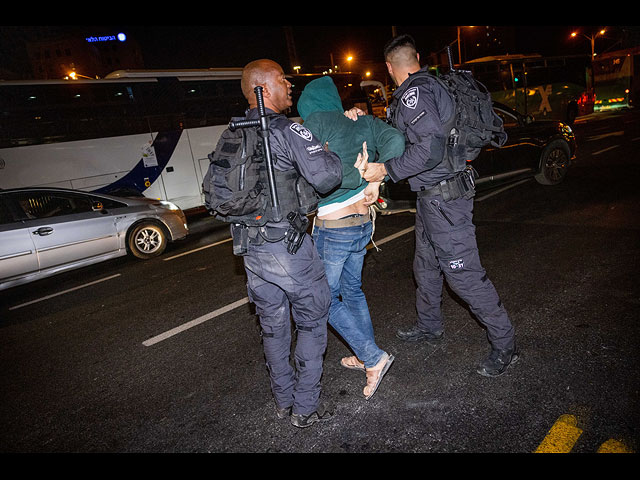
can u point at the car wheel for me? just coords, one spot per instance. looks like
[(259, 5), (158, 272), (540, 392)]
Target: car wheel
[(554, 163), (147, 240)]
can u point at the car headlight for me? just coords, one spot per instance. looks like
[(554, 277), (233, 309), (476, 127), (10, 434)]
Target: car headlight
[(168, 205)]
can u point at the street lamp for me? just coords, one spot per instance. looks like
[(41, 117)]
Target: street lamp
[(459, 50), (73, 76), (592, 39)]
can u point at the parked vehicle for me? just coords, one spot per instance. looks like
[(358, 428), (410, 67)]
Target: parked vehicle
[(540, 149), (45, 231)]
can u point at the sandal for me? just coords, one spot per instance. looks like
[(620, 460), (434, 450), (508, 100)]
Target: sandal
[(375, 374), (352, 363)]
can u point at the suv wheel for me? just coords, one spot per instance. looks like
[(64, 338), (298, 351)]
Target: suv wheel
[(554, 163)]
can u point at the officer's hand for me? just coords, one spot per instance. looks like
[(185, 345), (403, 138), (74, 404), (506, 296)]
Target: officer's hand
[(354, 113), (375, 172)]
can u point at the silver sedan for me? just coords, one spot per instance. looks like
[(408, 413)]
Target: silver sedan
[(45, 231)]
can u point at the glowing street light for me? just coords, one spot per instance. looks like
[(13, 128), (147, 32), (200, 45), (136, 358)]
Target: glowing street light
[(74, 76), (592, 39)]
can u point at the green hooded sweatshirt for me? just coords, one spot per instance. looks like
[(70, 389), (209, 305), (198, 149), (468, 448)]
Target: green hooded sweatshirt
[(321, 110)]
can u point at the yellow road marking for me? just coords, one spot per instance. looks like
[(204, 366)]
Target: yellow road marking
[(614, 446), (561, 437)]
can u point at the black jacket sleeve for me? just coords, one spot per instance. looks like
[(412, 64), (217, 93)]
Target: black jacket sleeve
[(298, 148), (422, 112)]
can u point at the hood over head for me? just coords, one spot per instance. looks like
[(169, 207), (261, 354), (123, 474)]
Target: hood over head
[(320, 95)]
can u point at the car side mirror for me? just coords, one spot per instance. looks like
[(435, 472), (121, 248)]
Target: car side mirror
[(529, 119), (97, 206)]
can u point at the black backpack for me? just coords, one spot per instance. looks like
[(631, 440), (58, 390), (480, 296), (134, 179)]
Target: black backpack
[(236, 187), (474, 124)]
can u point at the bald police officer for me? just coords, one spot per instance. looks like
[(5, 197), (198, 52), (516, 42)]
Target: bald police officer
[(280, 283)]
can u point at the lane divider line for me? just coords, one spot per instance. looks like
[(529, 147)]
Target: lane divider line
[(392, 237), (196, 249), (564, 434), (614, 446), (561, 437), (234, 305), (63, 292), (605, 150), (197, 321)]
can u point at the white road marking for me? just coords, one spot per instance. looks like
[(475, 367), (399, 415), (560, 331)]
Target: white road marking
[(64, 291), (234, 305), (196, 249), (605, 150), (197, 321)]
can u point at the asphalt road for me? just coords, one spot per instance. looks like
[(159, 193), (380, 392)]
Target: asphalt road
[(165, 355)]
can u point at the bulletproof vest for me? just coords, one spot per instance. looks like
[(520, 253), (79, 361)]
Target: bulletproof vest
[(474, 123), (236, 186)]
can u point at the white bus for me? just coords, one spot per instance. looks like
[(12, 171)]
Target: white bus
[(131, 133)]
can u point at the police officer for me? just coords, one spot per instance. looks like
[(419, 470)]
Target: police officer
[(278, 281), (445, 234)]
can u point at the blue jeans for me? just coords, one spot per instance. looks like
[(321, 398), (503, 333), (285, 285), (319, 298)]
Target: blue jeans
[(342, 251)]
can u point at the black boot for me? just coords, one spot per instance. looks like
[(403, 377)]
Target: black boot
[(415, 334), (283, 412), (497, 362), (322, 414)]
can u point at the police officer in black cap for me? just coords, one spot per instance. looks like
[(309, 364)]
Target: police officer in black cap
[(445, 234), (281, 283)]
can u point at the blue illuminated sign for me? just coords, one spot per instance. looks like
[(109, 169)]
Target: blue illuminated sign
[(121, 37)]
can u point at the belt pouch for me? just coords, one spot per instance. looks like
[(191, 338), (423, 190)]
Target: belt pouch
[(240, 235)]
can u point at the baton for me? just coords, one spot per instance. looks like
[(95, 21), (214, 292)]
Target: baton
[(263, 123)]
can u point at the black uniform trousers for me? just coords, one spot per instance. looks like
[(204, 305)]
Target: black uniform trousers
[(283, 286), (446, 245)]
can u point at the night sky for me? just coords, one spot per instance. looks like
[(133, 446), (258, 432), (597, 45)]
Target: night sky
[(223, 46)]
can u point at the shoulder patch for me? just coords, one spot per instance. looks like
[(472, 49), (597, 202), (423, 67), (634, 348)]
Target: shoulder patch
[(418, 117), (314, 149), (301, 131), (410, 98)]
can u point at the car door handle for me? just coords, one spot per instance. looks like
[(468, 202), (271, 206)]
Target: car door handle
[(43, 231)]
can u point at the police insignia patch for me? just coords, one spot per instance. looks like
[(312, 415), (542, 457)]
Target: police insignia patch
[(301, 131), (456, 264), (410, 98)]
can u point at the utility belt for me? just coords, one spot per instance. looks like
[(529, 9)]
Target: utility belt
[(461, 185), (354, 220), (292, 236)]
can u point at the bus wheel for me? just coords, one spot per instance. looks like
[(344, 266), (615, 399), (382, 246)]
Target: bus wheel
[(554, 163), (147, 240)]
